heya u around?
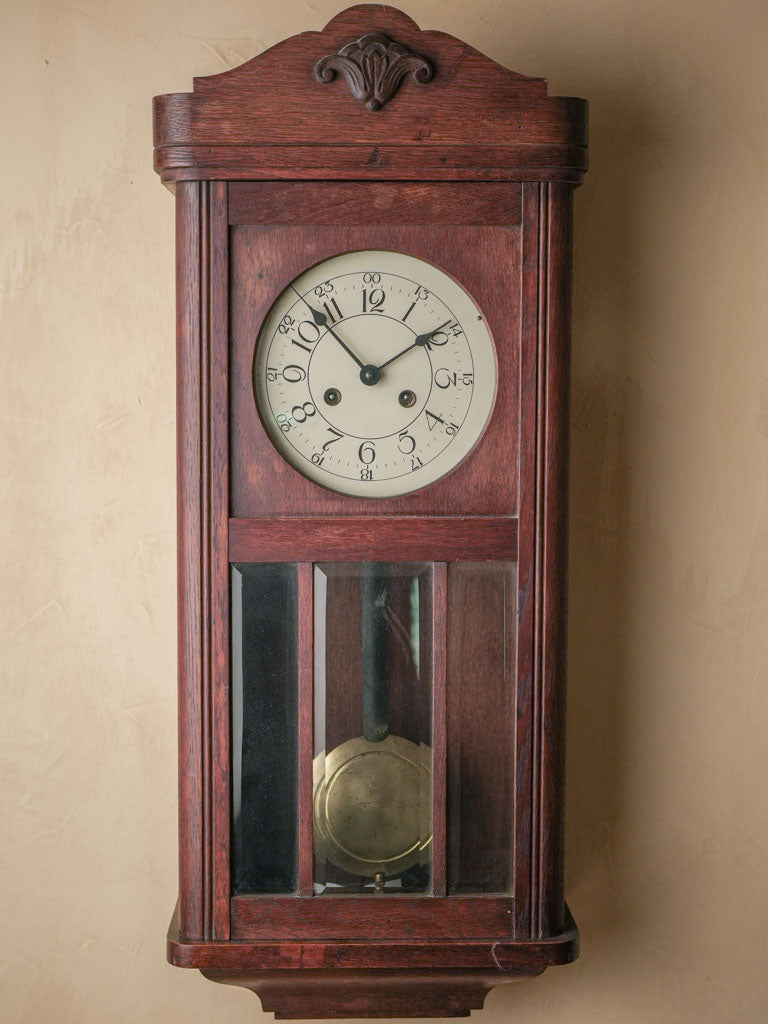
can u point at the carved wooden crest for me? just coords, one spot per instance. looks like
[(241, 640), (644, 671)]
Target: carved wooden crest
[(374, 66), (270, 119)]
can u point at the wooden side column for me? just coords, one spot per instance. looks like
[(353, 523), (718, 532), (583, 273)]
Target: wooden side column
[(544, 389), (557, 199), (202, 517)]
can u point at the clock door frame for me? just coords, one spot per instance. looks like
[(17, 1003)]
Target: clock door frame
[(531, 532), (469, 233)]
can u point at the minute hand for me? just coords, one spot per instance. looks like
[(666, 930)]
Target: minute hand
[(322, 321), (419, 340)]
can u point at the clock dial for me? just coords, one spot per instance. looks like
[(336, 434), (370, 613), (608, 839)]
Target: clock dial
[(374, 373)]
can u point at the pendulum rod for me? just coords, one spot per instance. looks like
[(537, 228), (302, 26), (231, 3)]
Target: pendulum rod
[(373, 586)]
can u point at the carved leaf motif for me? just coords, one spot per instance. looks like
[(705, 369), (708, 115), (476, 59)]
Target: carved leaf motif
[(374, 66)]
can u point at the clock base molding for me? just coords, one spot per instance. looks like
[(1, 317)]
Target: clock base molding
[(309, 979), (304, 995)]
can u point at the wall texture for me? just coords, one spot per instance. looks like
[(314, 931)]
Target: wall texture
[(667, 830)]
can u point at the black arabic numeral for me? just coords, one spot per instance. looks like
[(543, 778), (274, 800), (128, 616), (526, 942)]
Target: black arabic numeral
[(337, 436), (418, 294), (441, 336), (301, 413), (367, 452), (444, 378), (433, 419), (286, 324), (373, 301), (335, 313), (410, 442), (293, 374), (306, 329)]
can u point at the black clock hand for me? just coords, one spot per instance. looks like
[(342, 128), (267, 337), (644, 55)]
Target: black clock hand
[(421, 339), (322, 321)]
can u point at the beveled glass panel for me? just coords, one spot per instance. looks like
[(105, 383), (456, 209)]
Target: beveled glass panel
[(373, 697), (264, 727), (480, 698)]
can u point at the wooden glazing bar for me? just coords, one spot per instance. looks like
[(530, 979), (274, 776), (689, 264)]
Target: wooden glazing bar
[(305, 725), (439, 730)]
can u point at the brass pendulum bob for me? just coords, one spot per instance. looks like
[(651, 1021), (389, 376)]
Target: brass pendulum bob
[(368, 800)]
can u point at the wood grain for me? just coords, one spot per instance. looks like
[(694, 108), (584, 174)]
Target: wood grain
[(189, 542), (392, 954), (554, 570), (270, 115), (203, 597), (402, 539), (218, 485), (526, 570), (385, 917), (361, 994), (352, 202), (263, 262), (380, 162)]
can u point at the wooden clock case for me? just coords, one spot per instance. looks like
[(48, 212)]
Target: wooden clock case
[(276, 165)]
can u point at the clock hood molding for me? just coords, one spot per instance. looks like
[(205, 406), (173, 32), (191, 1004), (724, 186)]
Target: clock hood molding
[(471, 119)]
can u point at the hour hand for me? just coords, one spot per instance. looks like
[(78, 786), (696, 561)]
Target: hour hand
[(424, 339), (317, 315), (419, 340), (322, 321)]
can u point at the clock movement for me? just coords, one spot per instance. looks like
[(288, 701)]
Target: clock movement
[(373, 304)]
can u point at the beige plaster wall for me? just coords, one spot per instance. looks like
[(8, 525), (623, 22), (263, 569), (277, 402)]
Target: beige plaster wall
[(667, 832)]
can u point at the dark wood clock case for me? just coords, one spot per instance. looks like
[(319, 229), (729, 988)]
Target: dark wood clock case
[(373, 134)]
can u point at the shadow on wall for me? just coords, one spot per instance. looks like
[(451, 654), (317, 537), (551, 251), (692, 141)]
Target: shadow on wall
[(612, 310), (610, 316), (604, 312)]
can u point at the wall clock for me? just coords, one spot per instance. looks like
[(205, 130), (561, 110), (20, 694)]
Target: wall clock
[(373, 281)]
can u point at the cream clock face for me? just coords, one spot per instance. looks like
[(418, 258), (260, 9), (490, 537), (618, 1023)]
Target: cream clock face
[(374, 374)]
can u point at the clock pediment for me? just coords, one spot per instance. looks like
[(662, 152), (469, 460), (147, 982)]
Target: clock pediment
[(356, 98)]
